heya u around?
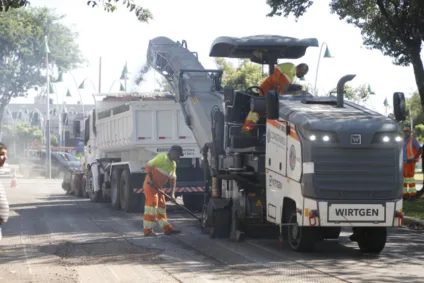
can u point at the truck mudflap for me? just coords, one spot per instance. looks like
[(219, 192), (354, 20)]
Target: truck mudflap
[(182, 187), (178, 190), (357, 214)]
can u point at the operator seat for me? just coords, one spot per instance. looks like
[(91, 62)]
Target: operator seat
[(237, 112)]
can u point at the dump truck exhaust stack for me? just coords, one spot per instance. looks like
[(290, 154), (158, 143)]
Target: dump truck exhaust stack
[(340, 89)]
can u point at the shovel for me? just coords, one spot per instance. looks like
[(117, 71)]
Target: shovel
[(179, 205)]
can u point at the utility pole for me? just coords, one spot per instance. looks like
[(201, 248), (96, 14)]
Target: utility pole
[(100, 74), (126, 77), (48, 153)]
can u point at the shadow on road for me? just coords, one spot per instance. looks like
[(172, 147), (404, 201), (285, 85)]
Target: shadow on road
[(93, 233)]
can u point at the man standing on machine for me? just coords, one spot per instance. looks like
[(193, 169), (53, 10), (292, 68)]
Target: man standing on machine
[(159, 170), (284, 74)]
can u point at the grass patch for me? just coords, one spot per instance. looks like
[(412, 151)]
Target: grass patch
[(414, 208)]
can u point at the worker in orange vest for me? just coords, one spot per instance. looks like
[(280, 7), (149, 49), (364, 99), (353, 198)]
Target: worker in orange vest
[(160, 169), (283, 76), (411, 154)]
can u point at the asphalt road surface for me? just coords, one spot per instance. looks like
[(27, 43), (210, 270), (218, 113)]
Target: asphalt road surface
[(51, 237)]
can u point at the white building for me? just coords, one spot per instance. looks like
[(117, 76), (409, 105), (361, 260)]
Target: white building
[(35, 114)]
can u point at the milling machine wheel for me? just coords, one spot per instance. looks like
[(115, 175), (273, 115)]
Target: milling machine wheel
[(372, 239), (301, 239)]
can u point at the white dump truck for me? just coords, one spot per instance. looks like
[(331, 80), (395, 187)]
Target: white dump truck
[(121, 134)]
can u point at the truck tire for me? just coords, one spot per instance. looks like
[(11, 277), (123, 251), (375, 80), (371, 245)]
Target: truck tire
[(84, 186), (76, 183), (129, 203), (193, 201), (94, 196), (300, 239), (372, 239), (114, 189), (105, 193)]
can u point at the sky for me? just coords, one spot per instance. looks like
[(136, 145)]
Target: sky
[(119, 38)]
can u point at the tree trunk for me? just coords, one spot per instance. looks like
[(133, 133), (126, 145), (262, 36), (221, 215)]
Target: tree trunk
[(417, 63)]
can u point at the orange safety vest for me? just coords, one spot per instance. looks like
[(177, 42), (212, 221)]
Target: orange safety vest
[(277, 81), (411, 150)]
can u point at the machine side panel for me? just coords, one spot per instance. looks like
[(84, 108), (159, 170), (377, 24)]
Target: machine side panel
[(276, 151), (276, 147), (294, 156)]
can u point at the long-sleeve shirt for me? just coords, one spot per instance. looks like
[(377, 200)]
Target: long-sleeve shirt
[(4, 205)]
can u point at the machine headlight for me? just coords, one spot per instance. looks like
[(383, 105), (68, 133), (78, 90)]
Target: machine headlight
[(387, 137), (319, 136)]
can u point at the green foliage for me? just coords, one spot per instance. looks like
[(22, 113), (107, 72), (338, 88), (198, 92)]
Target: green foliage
[(245, 75), (54, 141), (357, 94), (142, 14), (394, 27), (413, 108), (24, 133), (22, 34), (419, 132), (5, 5)]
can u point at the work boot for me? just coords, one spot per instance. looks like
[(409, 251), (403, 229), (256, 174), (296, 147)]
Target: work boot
[(151, 234), (173, 232)]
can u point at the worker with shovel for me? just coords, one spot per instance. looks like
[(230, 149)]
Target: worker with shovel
[(159, 170)]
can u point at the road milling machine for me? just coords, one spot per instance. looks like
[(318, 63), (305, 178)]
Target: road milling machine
[(314, 164)]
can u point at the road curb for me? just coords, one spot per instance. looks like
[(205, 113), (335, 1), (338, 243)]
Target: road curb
[(413, 221)]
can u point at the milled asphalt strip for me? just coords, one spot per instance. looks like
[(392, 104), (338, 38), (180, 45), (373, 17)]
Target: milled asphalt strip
[(245, 253), (120, 234), (171, 248)]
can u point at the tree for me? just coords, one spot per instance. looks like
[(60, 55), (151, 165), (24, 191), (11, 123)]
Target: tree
[(414, 110), (22, 34), (419, 132), (245, 75), (54, 141), (22, 133), (357, 94), (142, 14), (163, 86), (395, 27)]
